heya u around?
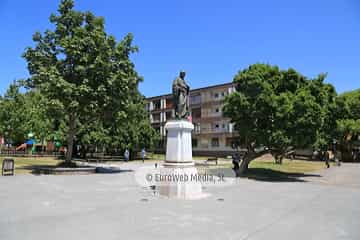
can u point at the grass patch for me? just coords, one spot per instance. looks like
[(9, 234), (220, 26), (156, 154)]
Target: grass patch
[(288, 171), (155, 157), (288, 166), (25, 165), (265, 169)]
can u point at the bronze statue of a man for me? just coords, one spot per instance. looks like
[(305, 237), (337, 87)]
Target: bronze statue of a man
[(181, 96)]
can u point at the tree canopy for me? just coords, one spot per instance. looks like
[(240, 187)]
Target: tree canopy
[(276, 110), (23, 113), (348, 120), (86, 75)]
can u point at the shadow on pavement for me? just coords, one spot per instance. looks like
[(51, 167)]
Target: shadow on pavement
[(34, 168), (99, 170), (265, 174), (269, 175), (110, 170)]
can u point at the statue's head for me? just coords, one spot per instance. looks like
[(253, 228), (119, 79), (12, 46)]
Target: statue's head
[(182, 74)]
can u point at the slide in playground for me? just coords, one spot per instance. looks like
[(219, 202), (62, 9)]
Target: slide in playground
[(21, 147), (24, 145)]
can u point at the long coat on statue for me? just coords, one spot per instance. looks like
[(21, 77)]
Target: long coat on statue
[(181, 98)]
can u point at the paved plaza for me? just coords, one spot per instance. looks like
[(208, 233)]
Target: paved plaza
[(114, 206)]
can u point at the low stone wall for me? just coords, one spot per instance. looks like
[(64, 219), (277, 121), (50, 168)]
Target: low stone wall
[(66, 171)]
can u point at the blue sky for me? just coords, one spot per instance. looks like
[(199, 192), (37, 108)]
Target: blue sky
[(210, 40)]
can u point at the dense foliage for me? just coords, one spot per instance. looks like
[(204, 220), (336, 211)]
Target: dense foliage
[(348, 121), (277, 110), (23, 113)]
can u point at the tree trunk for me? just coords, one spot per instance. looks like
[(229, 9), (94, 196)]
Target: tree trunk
[(71, 135), (278, 155), (84, 150), (244, 166), (249, 156), (278, 158), (281, 159)]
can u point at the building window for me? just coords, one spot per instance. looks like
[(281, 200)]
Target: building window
[(197, 127), (217, 110), (157, 104), (156, 117), (194, 143), (196, 113), (231, 90), (169, 103), (230, 127), (204, 143), (195, 99), (147, 107), (223, 94), (168, 116), (230, 142), (215, 142), (216, 95)]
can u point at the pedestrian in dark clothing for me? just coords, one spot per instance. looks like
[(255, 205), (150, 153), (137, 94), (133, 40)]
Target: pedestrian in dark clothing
[(143, 154), (235, 162), (326, 158), (126, 155)]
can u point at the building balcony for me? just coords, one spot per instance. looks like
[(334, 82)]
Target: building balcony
[(192, 103), (211, 102), (212, 130)]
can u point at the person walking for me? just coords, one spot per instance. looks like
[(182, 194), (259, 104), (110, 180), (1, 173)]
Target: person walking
[(143, 154), (126, 155), (326, 158), (236, 161)]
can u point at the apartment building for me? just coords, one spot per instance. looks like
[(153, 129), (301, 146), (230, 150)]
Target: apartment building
[(213, 133)]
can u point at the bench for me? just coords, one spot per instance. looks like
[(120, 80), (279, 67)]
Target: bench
[(212, 159), (8, 167)]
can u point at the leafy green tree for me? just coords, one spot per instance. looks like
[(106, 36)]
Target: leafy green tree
[(325, 99), (22, 113), (276, 110), (348, 121), (133, 130), (83, 72), (12, 115)]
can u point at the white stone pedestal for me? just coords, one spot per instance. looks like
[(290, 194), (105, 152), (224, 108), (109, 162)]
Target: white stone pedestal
[(187, 189), (179, 162), (178, 147)]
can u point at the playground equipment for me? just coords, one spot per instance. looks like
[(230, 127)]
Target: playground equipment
[(22, 147), (40, 147), (29, 143)]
